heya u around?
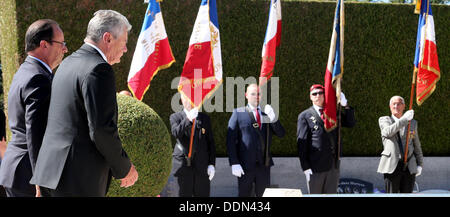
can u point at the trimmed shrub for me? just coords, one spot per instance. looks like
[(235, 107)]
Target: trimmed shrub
[(146, 140)]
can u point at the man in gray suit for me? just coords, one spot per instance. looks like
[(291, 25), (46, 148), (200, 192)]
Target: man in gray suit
[(399, 178), (81, 149), (28, 101)]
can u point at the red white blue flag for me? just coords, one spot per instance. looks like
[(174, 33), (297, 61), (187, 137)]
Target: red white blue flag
[(152, 53), (335, 69), (426, 60), (272, 41), (202, 71)]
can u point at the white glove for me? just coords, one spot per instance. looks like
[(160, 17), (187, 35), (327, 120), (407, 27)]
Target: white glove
[(308, 174), (409, 115), (269, 112), (419, 170), (211, 172), (192, 114), (236, 169), (343, 100)]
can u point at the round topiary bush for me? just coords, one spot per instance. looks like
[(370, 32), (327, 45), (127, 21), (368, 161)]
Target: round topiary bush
[(147, 142)]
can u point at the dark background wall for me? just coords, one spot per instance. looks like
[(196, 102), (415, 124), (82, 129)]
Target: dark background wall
[(379, 50)]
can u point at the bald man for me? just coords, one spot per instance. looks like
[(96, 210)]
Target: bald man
[(246, 143)]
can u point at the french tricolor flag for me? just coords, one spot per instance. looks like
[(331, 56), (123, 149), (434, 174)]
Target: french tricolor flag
[(272, 40), (335, 69), (152, 53), (202, 71), (426, 63)]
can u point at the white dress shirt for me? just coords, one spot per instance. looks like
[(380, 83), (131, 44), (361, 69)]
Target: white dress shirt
[(45, 64), (317, 109), (100, 51), (254, 113)]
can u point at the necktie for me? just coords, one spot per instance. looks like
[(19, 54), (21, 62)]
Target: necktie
[(258, 118), (321, 114)]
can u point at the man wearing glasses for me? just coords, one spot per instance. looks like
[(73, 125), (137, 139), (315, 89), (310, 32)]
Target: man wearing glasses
[(81, 150), (28, 103), (318, 148)]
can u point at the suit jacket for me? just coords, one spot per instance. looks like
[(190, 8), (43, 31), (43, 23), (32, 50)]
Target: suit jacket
[(244, 145), (81, 144), (316, 148), (203, 148), (28, 101), (391, 154)]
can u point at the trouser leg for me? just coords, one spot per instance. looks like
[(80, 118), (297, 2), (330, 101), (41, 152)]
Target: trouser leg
[(407, 182), (316, 183), (245, 183), (185, 180), (15, 192), (392, 181), (331, 181), (201, 184), (262, 179)]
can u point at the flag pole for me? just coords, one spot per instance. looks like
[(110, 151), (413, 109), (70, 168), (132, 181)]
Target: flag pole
[(267, 159), (413, 83), (405, 158)]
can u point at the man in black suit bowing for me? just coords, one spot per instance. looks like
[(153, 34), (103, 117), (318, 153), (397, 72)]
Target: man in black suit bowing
[(246, 143), (318, 148), (28, 102), (81, 149)]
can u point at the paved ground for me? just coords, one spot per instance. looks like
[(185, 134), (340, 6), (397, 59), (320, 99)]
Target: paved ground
[(287, 174)]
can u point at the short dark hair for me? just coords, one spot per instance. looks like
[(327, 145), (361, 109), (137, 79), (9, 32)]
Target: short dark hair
[(38, 31)]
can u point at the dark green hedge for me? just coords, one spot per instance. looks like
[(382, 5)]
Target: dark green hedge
[(146, 140), (379, 51)]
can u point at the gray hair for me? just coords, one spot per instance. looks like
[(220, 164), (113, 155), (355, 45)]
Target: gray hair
[(396, 97), (106, 21)]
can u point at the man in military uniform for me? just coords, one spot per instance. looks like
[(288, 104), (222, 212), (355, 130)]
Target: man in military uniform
[(194, 154), (318, 148)]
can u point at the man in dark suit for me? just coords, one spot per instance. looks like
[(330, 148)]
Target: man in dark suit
[(194, 154), (318, 149), (247, 143), (28, 102), (81, 149), (2, 142)]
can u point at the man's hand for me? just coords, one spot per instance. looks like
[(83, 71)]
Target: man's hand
[(192, 114), (211, 171), (409, 115), (269, 112), (2, 147), (308, 174), (419, 170), (343, 100), (38, 191), (130, 179), (237, 170)]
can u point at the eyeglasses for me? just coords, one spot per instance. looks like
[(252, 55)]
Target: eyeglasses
[(63, 43), (315, 94)]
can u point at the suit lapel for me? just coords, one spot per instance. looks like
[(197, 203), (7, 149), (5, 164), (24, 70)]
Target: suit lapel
[(316, 116), (397, 149), (264, 118)]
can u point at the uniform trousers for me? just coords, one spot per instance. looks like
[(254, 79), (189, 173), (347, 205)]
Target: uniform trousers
[(192, 181), (325, 182), (399, 181), (260, 176)]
